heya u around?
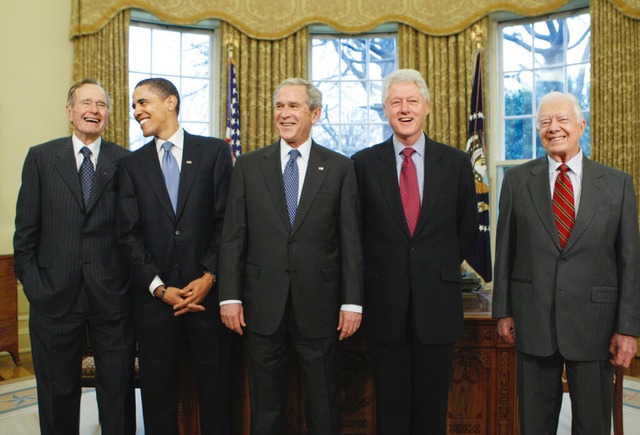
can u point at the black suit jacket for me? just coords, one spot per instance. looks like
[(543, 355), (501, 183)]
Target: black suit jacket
[(179, 246), (319, 260), (422, 271), (58, 244)]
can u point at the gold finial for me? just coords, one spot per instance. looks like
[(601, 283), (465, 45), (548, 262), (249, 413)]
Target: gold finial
[(230, 42), (478, 34)]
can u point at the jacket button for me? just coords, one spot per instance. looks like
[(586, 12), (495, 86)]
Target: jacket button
[(177, 233)]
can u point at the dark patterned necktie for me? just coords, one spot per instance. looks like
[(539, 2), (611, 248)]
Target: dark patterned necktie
[(291, 183), (86, 175), (563, 205), (409, 191)]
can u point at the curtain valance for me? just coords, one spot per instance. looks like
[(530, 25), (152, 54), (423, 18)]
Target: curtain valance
[(265, 19)]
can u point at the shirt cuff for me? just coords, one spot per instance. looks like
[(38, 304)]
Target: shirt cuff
[(352, 308), (154, 284), (230, 301)]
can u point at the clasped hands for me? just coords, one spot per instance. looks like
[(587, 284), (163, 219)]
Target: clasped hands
[(187, 299)]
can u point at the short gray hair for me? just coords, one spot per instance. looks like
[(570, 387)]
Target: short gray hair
[(406, 76), (561, 95), (314, 96), (71, 95)]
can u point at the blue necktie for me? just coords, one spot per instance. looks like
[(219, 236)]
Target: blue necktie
[(86, 174), (291, 181), (171, 174)]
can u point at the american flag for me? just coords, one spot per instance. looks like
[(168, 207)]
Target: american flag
[(480, 258), (233, 114)]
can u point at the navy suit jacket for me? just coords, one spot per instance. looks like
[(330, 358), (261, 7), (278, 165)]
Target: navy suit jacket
[(58, 245), (179, 247)]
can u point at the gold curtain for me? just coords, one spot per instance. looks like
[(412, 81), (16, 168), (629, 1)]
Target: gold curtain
[(104, 56), (260, 66), (615, 94), (267, 20), (447, 64)]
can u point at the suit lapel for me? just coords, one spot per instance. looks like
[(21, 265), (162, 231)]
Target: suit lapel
[(67, 167), (433, 178), (105, 170), (540, 193), (150, 167), (190, 161), (590, 197), (317, 170), (272, 173), (388, 179)]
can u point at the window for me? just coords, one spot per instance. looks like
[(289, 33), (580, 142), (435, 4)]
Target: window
[(350, 74), (537, 57), (183, 56)]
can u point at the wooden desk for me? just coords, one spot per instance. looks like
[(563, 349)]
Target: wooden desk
[(482, 399), (8, 308)]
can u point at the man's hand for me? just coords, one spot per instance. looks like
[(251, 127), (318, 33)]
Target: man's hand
[(623, 348), (232, 316), (349, 323), (507, 329), (192, 294)]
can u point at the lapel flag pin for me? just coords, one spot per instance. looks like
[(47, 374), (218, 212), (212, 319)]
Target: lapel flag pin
[(188, 162), (320, 168)]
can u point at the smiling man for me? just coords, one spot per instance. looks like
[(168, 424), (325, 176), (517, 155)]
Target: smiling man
[(65, 250), (566, 282), (171, 200), (291, 265), (420, 219)]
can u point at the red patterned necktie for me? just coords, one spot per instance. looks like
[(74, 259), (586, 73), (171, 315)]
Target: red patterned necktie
[(409, 190), (563, 205)]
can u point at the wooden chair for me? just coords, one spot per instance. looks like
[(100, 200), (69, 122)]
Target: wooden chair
[(618, 378), (89, 365)]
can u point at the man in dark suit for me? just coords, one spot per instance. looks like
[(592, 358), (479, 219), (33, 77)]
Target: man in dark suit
[(420, 218), (291, 266), (171, 204), (65, 249), (567, 282)]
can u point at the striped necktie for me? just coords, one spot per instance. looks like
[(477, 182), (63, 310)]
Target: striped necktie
[(563, 205), (409, 191)]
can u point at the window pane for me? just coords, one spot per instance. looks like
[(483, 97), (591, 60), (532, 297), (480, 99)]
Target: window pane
[(585, 140), (165, 49), (195, 55), (195, 100), (579, 39), (517, 93), (325, 58), (354, 102), (139, 49), (549, 45), (516, 48), (382, 54), (354, 59), (548, 80), (518, 140), (579, 83), (330, 101)]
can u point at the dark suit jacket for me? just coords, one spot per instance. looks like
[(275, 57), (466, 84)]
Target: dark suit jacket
[(571, 300), (180, 246), (422, 271), (319, 260), (57, 244)]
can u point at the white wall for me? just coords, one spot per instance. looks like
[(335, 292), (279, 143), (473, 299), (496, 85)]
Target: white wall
[(36, 58)]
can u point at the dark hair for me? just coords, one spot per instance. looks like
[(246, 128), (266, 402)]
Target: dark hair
[(162, 87), (71, 95)]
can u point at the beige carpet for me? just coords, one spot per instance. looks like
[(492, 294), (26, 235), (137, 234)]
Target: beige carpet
[(19, 409)]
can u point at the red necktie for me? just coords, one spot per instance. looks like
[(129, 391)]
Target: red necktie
[(409, 190), (563, 205)]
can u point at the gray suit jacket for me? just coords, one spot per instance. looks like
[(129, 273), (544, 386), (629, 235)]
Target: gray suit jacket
[(572, 300), (58, 245), (319, 260)]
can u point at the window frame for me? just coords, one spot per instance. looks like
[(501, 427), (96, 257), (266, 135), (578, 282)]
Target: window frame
[(144, 19)]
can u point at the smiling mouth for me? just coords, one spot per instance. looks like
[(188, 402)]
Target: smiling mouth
[(143, 121), (93, 120)]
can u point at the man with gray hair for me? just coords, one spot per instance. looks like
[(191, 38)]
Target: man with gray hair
[(291, 263), (419, 220), (566, 283)]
